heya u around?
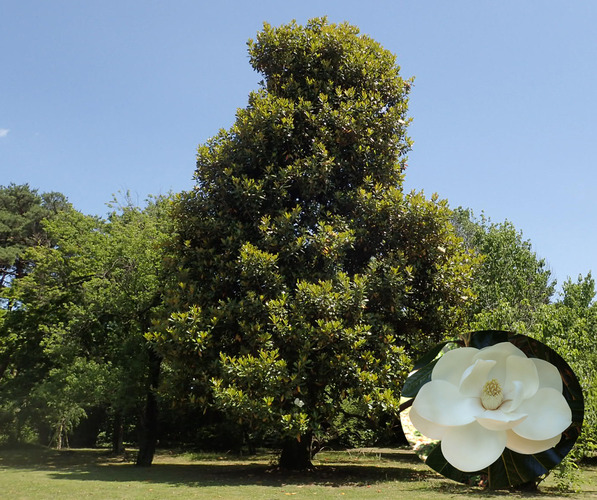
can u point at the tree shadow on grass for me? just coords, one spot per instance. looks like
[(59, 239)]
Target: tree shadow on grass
[(336, 469), (235, 475), (241, 475)]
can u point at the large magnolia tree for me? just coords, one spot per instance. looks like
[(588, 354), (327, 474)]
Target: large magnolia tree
[(308, 278)]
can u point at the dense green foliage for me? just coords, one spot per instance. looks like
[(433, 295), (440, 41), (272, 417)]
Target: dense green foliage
[(78, 322), (569, 326), (22, 210), (511, 276), (515, 292), (308, 277)]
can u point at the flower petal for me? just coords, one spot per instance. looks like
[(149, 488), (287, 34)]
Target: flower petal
[(548, 415), (499, 353), (513, 398), (453, 363), (549, 375), (474, 378), (500, 350), (440, 402), (521, 370), (472, 447), (497, 420), (426, 427), (519, 444)]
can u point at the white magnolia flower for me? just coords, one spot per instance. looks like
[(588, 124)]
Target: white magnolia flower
[(299, 403), (480, 401)]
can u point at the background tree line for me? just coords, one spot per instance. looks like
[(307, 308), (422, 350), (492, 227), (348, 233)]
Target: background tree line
[(283, 300)]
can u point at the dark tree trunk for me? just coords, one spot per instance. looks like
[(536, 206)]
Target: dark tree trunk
[(118, 434), (85, 434), (148, 425), (399, 435), (296, 454)]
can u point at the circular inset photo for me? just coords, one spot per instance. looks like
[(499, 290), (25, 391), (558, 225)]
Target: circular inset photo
[(497, 409)]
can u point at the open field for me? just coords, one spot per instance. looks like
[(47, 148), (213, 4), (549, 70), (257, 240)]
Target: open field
[(40, 473)]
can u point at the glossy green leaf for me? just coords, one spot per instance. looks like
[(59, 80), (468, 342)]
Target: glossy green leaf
[(417, 379), (431, 354), (485, 338)]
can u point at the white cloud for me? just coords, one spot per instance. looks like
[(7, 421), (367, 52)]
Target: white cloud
[(4, 132)]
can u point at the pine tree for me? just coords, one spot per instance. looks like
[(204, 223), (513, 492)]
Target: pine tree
[(22, 210)]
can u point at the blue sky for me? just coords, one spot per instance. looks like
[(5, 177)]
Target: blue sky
[(98, 97)]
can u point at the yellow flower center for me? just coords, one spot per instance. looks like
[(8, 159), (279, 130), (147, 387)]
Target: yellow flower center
[(492, 395)]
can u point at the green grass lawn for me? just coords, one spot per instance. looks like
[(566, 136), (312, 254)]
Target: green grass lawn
[(40, 473)]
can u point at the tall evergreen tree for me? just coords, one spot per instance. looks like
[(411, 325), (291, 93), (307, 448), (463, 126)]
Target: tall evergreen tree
[(307, 276), (22, 211)]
